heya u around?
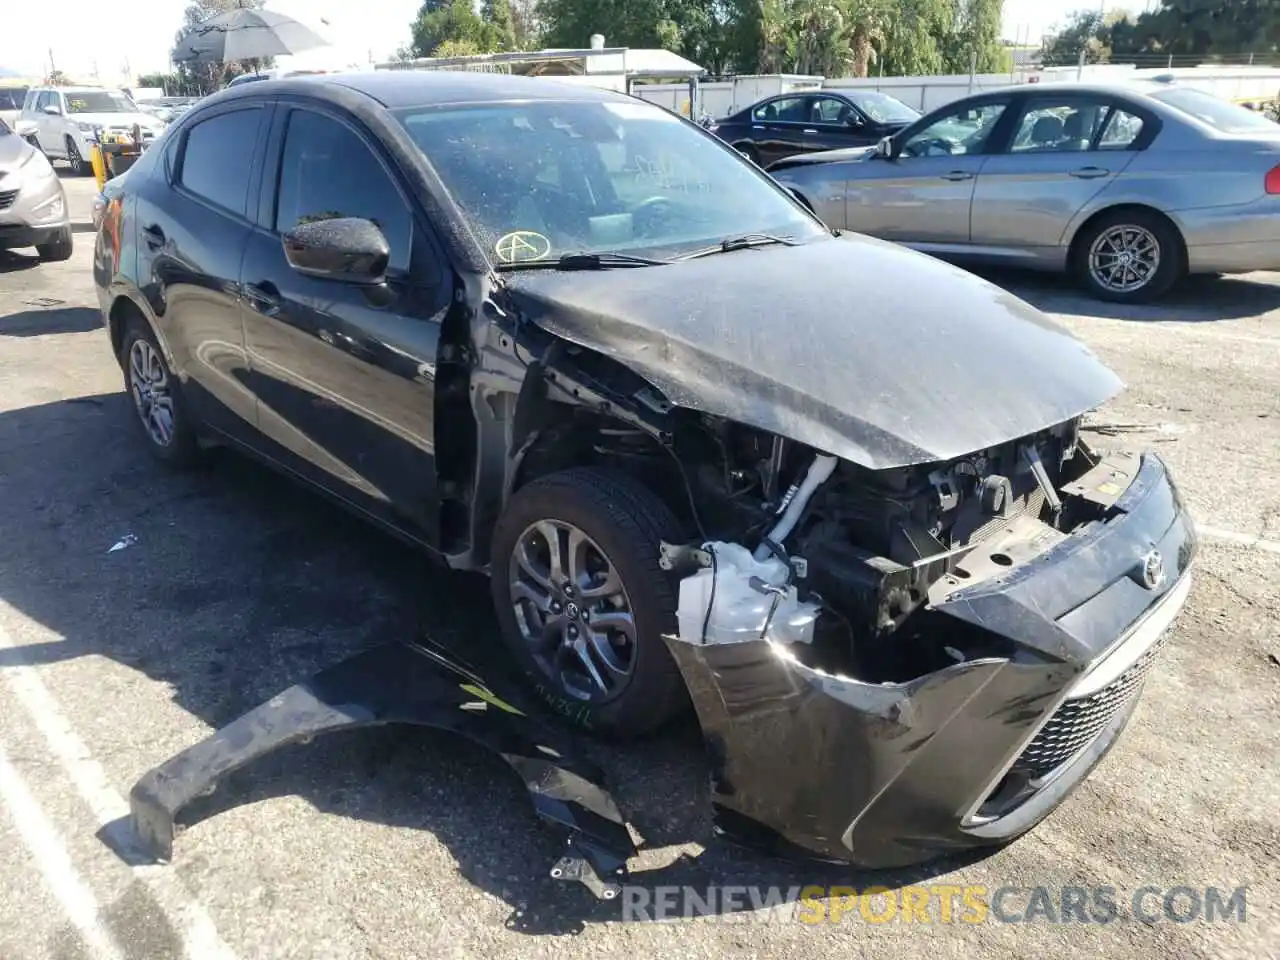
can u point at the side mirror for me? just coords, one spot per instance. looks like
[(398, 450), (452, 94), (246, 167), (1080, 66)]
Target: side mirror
[(884, 149), (348, 249), (53, 110), (25, 129)]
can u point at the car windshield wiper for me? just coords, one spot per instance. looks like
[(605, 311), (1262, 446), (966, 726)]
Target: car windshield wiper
[(584, 261), (729, 244)]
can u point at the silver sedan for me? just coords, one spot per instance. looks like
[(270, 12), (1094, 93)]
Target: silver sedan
[(1129, 186)]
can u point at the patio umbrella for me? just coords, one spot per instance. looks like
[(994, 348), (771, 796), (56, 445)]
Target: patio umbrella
[(244, 35)]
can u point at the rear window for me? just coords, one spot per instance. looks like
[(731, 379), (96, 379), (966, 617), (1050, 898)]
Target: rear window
[(1220, 114)]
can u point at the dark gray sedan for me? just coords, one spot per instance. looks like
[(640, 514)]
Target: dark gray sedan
[(1129, 186)]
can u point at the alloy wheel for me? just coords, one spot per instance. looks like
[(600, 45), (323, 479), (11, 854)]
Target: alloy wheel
[(149, 384), (573, 610), (1124, 258)]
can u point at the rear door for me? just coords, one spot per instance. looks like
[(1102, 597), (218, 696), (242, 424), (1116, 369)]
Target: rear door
[(1063, 151), (193, 227), (49, 127), (777, 127), (344, 374), (923, 195)]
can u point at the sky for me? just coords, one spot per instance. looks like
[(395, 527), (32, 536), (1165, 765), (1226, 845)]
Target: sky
[(89, 35)]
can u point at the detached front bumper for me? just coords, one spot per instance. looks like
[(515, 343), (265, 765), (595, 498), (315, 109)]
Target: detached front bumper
[(886, 775)]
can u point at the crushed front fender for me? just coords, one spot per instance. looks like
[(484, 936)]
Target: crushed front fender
[(404, 683)]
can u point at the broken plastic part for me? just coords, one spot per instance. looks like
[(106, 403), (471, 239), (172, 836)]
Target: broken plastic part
[(739, 599), (396, 683)]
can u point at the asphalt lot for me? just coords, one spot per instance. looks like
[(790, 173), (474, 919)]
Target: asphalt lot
[(402, 844)]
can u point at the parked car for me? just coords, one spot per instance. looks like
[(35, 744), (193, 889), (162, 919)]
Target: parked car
[(573, 340), (11, 100), (33, 204), (1128, 186), (68, 120), (791, 123)]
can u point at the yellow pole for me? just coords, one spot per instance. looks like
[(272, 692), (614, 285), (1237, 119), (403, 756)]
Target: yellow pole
[(99, 165)]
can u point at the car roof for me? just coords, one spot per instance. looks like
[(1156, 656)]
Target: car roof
[(1136, 87), (414, 88)]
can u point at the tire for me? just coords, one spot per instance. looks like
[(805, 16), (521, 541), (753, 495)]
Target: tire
[(58, 249), (623, 523), (1142, 228), (79, 165), (748, 151), (138, 347)]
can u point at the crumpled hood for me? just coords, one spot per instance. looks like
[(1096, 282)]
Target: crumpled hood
[(855, 346), (843, 154)]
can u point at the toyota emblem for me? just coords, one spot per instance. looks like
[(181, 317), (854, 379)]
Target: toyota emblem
[(1152, 570)]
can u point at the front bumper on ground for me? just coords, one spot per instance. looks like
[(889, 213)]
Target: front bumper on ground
[(804, 762), (885, 775)]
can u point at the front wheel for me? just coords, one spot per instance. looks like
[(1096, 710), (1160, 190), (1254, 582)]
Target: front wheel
[(582, 602), (157, 401), (79, 165), (58, 249), (1130, 256)]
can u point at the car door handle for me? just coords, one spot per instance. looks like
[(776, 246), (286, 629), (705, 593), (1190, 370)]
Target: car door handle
[(263, 297), (1089, 173), (809, 130), (958, 175), (153, 236)]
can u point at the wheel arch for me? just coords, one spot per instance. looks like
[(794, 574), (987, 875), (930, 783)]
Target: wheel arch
[(125, 308), (1082, 230)]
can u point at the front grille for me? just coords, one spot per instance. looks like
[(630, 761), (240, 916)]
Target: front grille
[(6, 198), (1076, 723)]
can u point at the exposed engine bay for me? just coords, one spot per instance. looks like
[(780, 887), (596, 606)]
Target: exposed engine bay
[(866, 549)]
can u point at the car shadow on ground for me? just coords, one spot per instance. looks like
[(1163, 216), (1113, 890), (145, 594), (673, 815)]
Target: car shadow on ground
[(230, 585), (50, 320), (11, 261), (1198, 299)]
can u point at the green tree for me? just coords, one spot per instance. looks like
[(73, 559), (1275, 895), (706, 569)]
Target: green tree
[(498, 15), (457, 22)]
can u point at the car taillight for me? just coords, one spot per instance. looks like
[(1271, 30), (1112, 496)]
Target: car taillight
[(1272, 183)]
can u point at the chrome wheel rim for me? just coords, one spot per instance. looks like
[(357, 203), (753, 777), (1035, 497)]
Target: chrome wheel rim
[(573, 610), (149, 384), (1124, 258), (73, 153)]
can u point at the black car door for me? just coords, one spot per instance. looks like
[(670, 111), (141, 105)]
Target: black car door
[(836, 123), (777, 128), (193, 225), (344, 373)]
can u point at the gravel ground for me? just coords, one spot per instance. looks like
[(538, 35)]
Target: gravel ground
[(391, 844)]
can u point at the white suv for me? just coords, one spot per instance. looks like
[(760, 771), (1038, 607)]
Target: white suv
[(68, 120)]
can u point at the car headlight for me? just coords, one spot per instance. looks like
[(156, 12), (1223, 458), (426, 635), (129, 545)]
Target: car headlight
[(91, 131)]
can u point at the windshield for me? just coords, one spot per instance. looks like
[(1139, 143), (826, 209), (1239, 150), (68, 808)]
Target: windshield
[(541, 179), (99, 101), (883, 108), (1220, 114)]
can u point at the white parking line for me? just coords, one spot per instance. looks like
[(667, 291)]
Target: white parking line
[(1244, 539), (50, 855), (192, 923)]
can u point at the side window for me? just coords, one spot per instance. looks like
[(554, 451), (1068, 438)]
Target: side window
[(327, 171), (790, 109), (957, 132), (1058, 126), (1122, 129), (830, 110), (44, 100), (217, 158)]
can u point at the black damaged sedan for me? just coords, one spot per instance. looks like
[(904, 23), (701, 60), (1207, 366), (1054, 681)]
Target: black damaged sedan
[(830, 493)]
